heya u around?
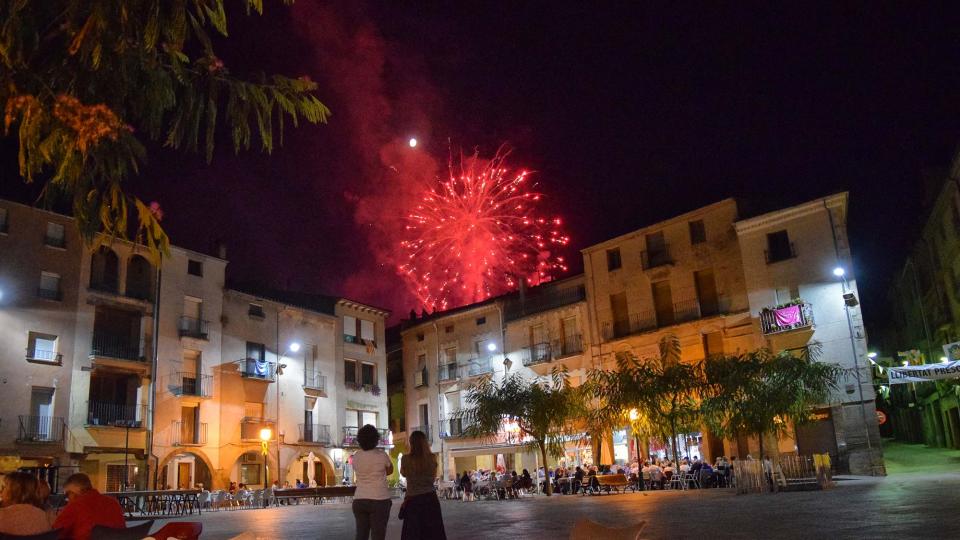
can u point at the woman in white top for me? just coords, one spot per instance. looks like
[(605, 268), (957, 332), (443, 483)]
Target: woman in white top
[(371, 500)]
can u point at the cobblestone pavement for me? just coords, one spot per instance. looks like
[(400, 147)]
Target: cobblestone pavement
[(900, 506)]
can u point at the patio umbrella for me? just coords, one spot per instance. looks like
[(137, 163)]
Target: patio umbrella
[(311, 470)]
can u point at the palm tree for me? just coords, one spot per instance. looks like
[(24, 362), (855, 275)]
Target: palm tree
[(760, 392), (662, 390), (543, 410)]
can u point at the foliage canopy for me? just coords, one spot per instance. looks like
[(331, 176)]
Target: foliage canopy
[(83, 81)]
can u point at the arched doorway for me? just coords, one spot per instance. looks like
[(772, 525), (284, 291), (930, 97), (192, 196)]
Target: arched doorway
[(321, 467), (185, 471)]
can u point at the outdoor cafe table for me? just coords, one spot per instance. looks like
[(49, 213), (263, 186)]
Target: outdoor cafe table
[(158, 503)]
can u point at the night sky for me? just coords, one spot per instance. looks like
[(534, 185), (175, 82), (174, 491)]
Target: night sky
[(627, 115)]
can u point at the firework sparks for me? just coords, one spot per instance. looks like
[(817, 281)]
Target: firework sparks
[(475, 234)]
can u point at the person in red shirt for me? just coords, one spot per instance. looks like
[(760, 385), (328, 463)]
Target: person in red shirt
[(86, 507)]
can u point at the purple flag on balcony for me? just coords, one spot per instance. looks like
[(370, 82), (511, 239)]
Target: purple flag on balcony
[(787, 316)]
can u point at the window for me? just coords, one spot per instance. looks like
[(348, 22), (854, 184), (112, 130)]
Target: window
[(195, 268), (256, 310), (657, 253), (349, 329), (707, 297), (448, 329), (55, 235), (698, 233), (256, 351), (42, 347), (3, 220), (481, 321), (613, 259), (420, 375), (779, 247), (621, 318), (355, 418), (420, 336), (366, 331), (250, 473), (368, 374), (49, 286), (350, 372)]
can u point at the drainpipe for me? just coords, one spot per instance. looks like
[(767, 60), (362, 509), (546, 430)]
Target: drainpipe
[(153, 377)]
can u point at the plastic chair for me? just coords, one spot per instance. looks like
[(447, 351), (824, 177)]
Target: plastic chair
[(184, 530), (586, 529), (137, 532)]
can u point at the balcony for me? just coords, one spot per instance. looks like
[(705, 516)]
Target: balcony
[(313, 380), (251, 426), (780, 254), (568, 346), (538, 353), (49, 294), (114, 346), (655, 258), (107, 414), (251, 368), (350, 437), (643, 321), (420, 377), (41, 429), (449, 372), (452, 428), (477, 366), (314, 433), (189, 433), (786, 318), (44, 357), (425, 430), (191, 384), (192, 327), (104, 284)]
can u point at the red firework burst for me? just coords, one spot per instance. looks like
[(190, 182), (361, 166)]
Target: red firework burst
[(474, 235)]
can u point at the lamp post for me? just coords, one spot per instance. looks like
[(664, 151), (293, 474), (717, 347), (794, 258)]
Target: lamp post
[(265, 435), (847, 303)]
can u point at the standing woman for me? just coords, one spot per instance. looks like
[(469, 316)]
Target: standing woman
[(371, 500), (420, 511)]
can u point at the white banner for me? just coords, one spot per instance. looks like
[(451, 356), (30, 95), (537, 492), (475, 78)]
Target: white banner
[(926, 372)]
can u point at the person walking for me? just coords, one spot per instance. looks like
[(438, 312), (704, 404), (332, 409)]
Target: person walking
[(22, 512), (420, 512), (467, 486), (371, 500)]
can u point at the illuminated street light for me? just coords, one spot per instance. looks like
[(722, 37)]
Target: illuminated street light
[(294, 347), (871, 355), (266, 434), (839, 271), (491, 347), (412, 142), (634, 414)]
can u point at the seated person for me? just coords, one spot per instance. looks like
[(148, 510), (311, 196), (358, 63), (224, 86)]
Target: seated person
[(85, 509)]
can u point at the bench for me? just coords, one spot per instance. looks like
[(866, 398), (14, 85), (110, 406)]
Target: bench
[(317, 494), (610, 483)]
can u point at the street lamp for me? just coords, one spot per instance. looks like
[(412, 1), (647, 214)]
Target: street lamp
[(265, 435), (839, 271)]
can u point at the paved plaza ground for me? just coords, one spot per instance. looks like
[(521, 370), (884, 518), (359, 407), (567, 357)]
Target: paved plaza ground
[(914, 502)]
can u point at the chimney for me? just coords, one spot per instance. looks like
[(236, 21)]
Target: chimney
[(222, 250)]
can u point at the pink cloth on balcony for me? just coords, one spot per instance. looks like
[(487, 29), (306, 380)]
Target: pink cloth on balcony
[(787, 316)]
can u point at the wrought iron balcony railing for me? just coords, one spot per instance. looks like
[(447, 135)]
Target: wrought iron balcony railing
[(449, 372), (539, 353), (191, 384), (784, 319), (107, 414), (350, 437), (452, 428), (38, 355), (119, 347), (251, 368), (41, 429), (314, 433), (568, 346), (189, 433), (314, 380), (192, 327), (477, 366), (653, 258)]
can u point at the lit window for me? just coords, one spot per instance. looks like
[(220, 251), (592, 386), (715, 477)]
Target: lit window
[(42, 347)]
